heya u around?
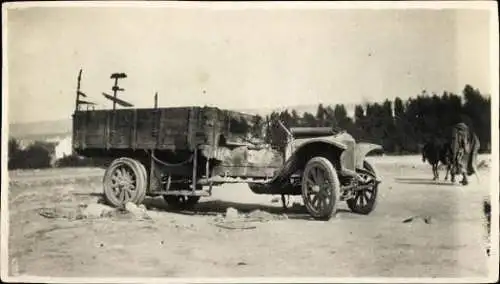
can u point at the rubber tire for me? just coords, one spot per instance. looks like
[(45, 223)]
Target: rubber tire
[(141, 183), (140, 199), (371, 206), (334, 190), (174, 202)]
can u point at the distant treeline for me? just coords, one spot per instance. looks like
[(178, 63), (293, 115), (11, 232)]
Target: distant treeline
[(401, 127)]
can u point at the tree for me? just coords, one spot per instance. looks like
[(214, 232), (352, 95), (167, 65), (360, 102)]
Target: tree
[(359, 113), (477, 114), (388, 128), (296, 121), (321, 116), (309, 119), (359, 123), (340, 116), (399, 126)]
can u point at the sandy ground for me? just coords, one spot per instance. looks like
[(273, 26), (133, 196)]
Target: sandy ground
[(189, 244)]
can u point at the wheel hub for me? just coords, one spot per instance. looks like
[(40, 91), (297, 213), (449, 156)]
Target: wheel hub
[(315, 188), (125, 182)]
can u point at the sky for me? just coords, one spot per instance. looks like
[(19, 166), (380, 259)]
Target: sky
[(239, 59)]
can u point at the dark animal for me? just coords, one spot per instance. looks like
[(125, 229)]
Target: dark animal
[(435, 152), (464, 149)]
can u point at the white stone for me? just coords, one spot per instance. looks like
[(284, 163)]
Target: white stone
[(231, 213), (96, 210)]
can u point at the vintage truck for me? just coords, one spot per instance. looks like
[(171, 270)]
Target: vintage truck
[(181, 153)]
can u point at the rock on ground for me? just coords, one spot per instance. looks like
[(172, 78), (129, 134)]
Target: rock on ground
[(139, 212), (96, 210), (231, 214)]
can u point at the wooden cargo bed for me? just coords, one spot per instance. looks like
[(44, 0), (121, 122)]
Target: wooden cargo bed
[(175, 129), (171, 128)]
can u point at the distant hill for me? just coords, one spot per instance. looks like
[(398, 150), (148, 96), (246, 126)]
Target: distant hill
[(41, 129)]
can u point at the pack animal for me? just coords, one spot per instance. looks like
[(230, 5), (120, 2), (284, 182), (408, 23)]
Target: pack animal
[(464, 149), (435, 152)]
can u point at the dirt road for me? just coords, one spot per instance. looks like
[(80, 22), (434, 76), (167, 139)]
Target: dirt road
[(447, 240)]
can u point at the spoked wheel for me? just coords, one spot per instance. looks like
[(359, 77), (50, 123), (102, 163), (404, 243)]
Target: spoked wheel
[(181, 202), (320, 188), (124, 181), (140, 198), (365, 200)]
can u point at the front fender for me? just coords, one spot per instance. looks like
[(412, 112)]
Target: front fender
[(302, 152), (298, 144), (362, 149), (303, 142)]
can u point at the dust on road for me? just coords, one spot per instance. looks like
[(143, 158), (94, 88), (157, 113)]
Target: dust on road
[(420, 228)]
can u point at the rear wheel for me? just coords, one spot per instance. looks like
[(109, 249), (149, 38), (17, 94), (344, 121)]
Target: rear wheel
[(124, 181), (141, 198), (365, 200), (320, 188)]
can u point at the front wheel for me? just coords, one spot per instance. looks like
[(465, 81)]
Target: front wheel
[(320, 188), (365, 200)]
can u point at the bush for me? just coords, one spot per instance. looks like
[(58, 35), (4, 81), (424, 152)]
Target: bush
[(14, 153), (36, 156), (76, 161)]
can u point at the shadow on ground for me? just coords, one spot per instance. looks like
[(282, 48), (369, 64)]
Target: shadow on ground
[(423, 181), (216, 207), (93, 194)]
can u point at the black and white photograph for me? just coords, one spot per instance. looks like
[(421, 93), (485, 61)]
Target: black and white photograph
[(196, 142)]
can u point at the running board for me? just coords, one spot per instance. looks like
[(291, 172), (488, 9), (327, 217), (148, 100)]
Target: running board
[(221, 179), (202, 193)]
